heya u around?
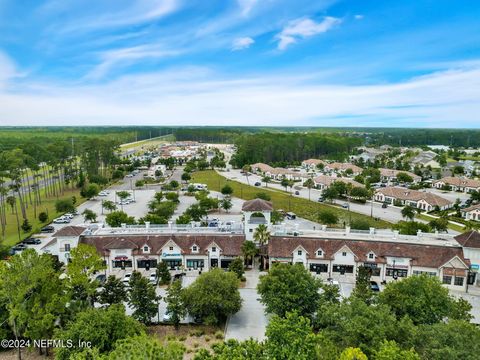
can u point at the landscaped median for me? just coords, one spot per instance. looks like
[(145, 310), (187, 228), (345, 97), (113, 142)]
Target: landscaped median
[(282, 200)]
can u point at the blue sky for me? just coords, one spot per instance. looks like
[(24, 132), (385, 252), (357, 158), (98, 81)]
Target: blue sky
[(240, 62)]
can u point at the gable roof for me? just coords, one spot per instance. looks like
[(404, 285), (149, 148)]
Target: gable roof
[(469, 239), (414, 195), (70, 230), (460, 182), (420, 255), (329, 180), (257, 205), (229, 244), (471, 208)]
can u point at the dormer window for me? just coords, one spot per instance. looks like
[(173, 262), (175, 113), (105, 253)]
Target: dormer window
[(170, 248), (299, 252), (371, 256), (214, 249), (344, 253), (319, 252), (194, 248), (146, 249)]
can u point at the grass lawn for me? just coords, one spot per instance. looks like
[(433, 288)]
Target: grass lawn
[(48, 205), (148, 142), (281, 200), (451, 226), (193, 337)]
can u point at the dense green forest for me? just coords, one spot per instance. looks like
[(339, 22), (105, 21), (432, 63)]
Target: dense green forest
[(278, 148)]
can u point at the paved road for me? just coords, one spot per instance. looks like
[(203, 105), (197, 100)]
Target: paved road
[(391, 213)]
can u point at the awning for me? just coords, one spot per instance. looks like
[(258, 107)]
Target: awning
[(121, 258)]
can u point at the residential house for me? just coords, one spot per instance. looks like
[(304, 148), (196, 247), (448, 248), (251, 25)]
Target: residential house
[(337, 167), (471, 212), (312, 164), (390, 175), (425, 159), (323, 182), (458, 184), (418, 199)]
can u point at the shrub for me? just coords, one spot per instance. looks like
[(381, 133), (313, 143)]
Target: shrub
[(43, 217), (219, 335)]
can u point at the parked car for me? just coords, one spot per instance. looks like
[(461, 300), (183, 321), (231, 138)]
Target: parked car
[(291, 216), (102, 193), (258, 183), (333, 282), (126, 278), (68, 215), (19, 247), (384, 205), (297, 192), (178, 276), (321, 199), (374, 286), (61, 220), (32, 241), (48, 229), (345, 205), (101, 278), (166, 317), (129, 175), (153, 278)]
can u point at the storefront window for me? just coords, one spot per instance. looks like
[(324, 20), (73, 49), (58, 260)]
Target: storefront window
[(319, 268), (122, 263), (398, 272), (195, 264), (459, 280), (173, 263), (347, 269), (447, 279)]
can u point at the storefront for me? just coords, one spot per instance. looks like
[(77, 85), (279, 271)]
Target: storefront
[(195, 264), (343, 269), (396, 272), (174, 261), (146, 263), (121, 262), (224, 263), (319, 268), (373, 268)]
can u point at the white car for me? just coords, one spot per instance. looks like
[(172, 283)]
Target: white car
[(166, 317), (153, 278), (102, 193), (61, 220), (129, 175), (333, 282), (68, 215), (126, 278)]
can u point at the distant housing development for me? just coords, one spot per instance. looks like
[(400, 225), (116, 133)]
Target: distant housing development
[(458, 184)]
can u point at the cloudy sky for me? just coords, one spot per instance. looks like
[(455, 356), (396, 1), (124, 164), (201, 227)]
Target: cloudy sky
[(240, 62)]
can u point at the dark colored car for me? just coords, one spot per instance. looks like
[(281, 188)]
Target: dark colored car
[(48, 229), (101, 278), (258, 183), (374, 286), (384, 205), (178, 276), (19, 247), (297, 192), (32, 241), (321, 199)]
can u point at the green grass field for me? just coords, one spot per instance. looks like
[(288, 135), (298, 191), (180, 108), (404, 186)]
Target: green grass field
[(149, 142), (451, 226), (282, 200), (48, 205)]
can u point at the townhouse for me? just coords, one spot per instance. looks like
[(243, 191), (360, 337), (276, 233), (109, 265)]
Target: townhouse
[(425, 159), (337, 167), (418, 199), (388, 260), (130, 251), (390, 175), (458, 184), (323, 182), (277, 173), (471, 212), (312, 164)]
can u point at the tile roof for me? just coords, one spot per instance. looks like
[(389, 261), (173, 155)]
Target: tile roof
[(229, 244), (414, 195), (471, 208), (394, 173), (460, 182), (344, 166), (420, 255), (48, 244), (257, 205), (70, 230), (469, 239), (328, 180), (313, 162)]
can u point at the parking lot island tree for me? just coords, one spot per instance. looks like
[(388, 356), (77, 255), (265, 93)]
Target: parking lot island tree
[(176, 307), (288, 288), (117, 218), (142, 298), (163, 273), (89, 215), (213, 296), (113, 291)]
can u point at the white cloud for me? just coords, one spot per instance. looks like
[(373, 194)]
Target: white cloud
[(242, 43), (302, 28), (246, 6), (197, 96), (358, 17), (7, 69), (126, 56)]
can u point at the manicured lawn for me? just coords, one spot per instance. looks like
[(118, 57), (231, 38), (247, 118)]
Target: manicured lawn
[(451, 226), (281, 200), (48, 205), (148, 142)]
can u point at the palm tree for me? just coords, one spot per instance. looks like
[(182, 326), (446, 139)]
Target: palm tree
[(249, 250), (309, 183), (266, 180), (408, 212), (261, 234), (246, 169)]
